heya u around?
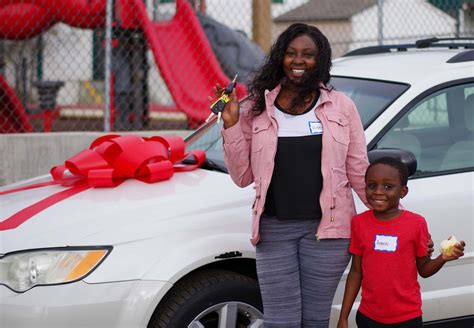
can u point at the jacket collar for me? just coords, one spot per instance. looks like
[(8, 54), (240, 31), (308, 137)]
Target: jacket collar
[(325, 95), (270, 97)]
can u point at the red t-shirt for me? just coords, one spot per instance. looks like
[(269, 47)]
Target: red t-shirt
[(390, 289)]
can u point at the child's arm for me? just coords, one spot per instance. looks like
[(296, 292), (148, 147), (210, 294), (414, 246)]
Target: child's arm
[(428, 267), (354, 279)]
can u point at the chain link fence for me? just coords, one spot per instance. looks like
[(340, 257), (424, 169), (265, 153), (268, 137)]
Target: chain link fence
[(117, 65)]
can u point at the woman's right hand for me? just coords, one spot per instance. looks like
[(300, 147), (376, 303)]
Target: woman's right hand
[(231, 112)]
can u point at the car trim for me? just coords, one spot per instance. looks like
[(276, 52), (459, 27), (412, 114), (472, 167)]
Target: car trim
[(371, 145), (468, 320), (419, 44), (228, 255), (65, 248), (200, 130)]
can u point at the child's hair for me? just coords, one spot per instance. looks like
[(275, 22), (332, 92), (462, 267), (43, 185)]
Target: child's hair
[(396, 164)]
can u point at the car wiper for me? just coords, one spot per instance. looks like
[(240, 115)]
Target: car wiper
[(214, 166), (207, 165)]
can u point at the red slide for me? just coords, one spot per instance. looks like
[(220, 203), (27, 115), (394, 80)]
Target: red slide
[(185, 59), (12, 113)]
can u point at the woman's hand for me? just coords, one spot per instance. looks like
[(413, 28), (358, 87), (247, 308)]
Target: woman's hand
[(231, 112)]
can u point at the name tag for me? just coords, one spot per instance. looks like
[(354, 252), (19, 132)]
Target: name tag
[(385, 243), (315, 127)]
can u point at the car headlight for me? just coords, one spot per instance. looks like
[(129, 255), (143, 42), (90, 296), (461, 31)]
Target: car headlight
[(23, 270)]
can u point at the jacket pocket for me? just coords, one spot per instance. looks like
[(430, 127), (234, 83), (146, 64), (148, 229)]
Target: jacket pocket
[(260, 131), (339, 126), (260, 137)]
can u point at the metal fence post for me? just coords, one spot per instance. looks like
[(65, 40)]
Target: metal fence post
[(458, 22), (380, 21), (108, 65), (2, 59)]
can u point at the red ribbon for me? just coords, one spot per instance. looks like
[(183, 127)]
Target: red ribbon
[(109, 161)]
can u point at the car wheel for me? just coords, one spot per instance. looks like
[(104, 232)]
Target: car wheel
[(209, 299)]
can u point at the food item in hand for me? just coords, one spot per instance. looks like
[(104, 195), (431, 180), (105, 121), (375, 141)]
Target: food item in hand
[(447, 246)]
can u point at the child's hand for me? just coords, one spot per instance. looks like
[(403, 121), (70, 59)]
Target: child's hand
[(430, 247), (342, 323), (456, 252)]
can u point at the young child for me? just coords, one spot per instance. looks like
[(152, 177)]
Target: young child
[(388, 247)]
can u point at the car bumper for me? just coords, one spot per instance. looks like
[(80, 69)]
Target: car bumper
[(117, 304)]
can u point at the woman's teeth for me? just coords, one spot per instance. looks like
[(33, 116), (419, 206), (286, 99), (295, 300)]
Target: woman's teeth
[(298, 71)]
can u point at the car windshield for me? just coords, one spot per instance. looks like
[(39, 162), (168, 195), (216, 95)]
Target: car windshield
[(371, 97)]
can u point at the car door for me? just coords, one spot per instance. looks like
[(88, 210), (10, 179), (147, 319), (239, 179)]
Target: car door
[(439, 129)]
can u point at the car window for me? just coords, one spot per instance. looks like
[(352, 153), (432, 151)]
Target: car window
[(208, 138), (371, 97), (430, 113), (439, 130)]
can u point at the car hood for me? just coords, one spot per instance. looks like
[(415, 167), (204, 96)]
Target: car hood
[(131, 211)]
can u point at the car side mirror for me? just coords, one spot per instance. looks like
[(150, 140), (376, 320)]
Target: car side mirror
[(405, 156)]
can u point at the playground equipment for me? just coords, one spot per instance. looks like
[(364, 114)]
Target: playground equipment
[(47, 91), (236, 53), (188, 67), (12, 113)]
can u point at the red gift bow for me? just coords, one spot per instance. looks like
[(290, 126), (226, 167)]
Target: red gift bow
[(109, 161)]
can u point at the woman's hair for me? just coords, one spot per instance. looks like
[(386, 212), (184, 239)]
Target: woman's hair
[(396, 164), (271, 73)]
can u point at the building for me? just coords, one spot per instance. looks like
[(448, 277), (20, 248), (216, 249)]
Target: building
[(356, 23)]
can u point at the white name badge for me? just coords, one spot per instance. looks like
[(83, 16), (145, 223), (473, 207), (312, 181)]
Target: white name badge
[(315, 127), (385, 243)]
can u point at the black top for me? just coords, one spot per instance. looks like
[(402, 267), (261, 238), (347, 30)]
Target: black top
[(297, 180)]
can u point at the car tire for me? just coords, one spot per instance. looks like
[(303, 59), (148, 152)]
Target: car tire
[(204, 298)]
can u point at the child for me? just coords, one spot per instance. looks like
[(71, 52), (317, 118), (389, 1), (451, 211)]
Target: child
[(388, 247)]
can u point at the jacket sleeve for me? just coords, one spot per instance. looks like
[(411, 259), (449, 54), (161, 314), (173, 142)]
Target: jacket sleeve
[(357, 160), (237, 147)]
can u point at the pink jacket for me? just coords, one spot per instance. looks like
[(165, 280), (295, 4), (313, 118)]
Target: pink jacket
[(250, 147)]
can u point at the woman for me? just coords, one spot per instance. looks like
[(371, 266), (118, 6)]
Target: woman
[(302, 143)]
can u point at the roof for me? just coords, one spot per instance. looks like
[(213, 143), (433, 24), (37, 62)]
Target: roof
[(325, 10), (451, 7)]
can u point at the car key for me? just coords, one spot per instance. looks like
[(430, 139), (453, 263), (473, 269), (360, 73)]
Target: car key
[(218, 106)]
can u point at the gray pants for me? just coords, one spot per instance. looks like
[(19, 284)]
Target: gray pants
[(298, 275)]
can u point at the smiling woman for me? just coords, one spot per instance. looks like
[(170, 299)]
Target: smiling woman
[(293, 134)]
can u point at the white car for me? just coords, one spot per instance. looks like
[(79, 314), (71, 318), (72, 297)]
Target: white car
[(177, 253)]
